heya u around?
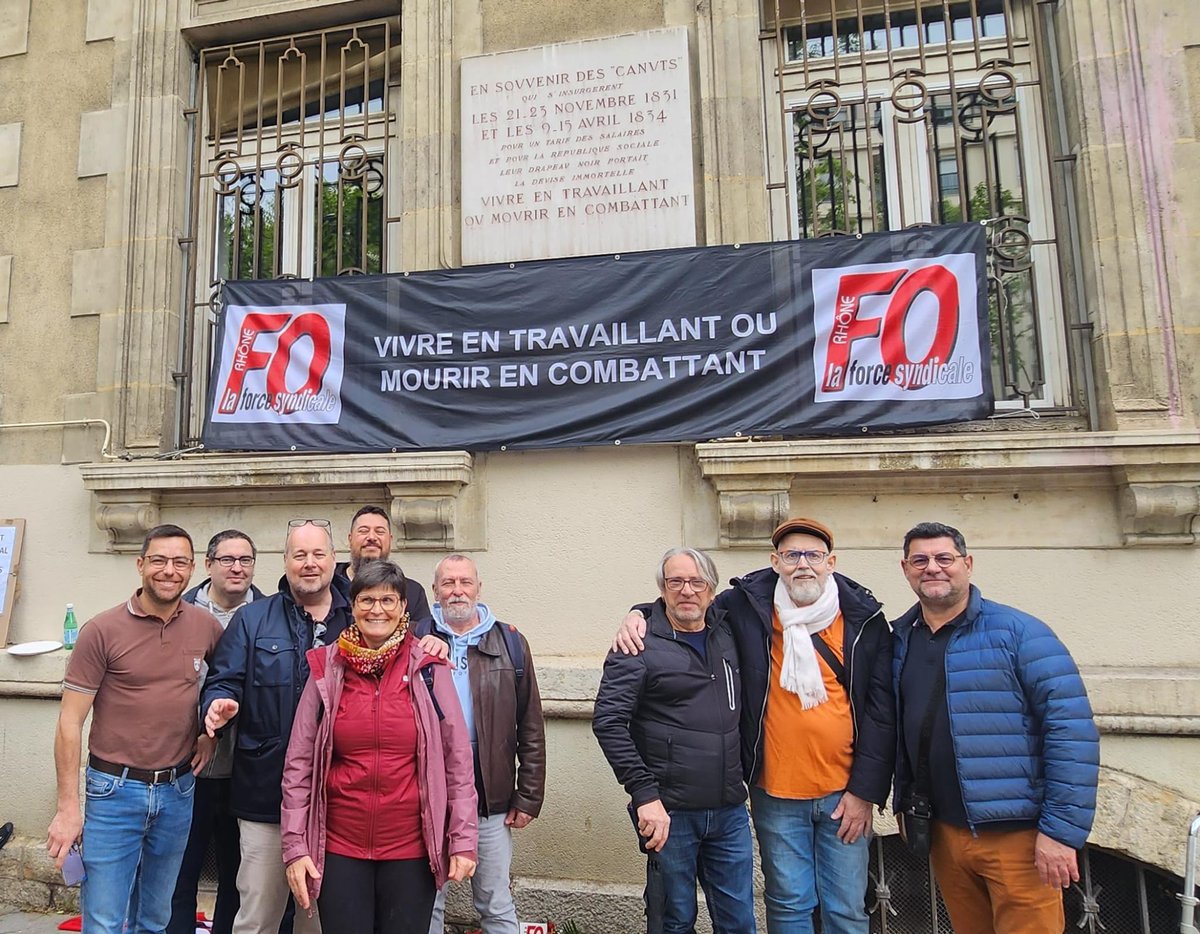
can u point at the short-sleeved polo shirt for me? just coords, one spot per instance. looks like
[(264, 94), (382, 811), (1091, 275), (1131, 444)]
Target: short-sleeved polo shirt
[(144, 673)]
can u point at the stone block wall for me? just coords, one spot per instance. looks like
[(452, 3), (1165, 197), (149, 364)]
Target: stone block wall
[(30, 880)]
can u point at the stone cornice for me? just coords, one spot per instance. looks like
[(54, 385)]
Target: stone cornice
[(432, 501), (1156, 474)]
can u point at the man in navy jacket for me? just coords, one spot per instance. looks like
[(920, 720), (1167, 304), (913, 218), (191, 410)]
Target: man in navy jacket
[(256, 676), (1012, 751)]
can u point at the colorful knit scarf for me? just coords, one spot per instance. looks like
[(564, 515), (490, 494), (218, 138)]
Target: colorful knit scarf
[(366, 660)]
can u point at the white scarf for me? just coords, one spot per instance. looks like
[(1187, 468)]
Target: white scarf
[(800, 672)]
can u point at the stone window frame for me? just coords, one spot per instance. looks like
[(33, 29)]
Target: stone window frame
[(903, 83), (362, 146)]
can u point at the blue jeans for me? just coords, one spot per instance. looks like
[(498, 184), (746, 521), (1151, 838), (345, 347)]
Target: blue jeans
[(133, 840), (804, 863), (711, 845)]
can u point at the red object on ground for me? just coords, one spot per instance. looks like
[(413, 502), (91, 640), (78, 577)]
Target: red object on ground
[(76, 923)]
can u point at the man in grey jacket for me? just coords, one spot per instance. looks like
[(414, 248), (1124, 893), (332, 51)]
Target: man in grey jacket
[(229, 562)]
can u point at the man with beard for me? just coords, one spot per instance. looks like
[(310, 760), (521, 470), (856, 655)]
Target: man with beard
[(818, 728), (370, 539), (998, 752), (497, 687), (136, 668), (256, 676)]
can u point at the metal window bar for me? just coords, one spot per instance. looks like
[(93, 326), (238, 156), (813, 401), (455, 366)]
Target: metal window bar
[(1115, 895), (897, 90), (293, 137)]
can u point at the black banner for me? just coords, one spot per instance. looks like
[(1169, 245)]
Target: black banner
[(812, 337)]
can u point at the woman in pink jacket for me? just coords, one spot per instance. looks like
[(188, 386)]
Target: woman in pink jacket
[(379, 804)]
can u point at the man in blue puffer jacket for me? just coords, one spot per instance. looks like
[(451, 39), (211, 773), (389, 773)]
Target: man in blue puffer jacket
[(1013, 753)]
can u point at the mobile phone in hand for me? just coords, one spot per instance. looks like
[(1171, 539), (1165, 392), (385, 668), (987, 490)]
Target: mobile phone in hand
[(72, 871)]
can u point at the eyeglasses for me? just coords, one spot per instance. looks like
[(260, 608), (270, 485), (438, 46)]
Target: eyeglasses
[(814, 559), (676, 584), (228, 561), (921, 562), (300, 523), (387, 603), (158, 562)]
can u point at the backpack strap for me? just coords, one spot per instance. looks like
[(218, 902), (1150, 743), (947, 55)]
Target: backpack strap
[(516, 649), (427, 677), (838, 669)]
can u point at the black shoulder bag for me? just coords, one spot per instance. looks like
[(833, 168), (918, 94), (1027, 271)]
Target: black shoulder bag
[(917, 812)]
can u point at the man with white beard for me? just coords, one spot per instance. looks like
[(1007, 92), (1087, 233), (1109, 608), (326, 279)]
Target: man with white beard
[(497, 687), (818, 725)]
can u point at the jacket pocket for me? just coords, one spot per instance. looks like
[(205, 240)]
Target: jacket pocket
[(731, 685), (274, 660)]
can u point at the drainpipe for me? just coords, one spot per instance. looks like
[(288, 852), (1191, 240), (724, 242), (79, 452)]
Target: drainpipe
[(72, 422), (1187, 920)]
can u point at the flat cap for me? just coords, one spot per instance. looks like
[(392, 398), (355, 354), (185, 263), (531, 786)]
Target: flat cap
[(807, 526)]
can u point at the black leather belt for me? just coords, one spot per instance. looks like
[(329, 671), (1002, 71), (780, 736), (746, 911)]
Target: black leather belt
[(149, 776)]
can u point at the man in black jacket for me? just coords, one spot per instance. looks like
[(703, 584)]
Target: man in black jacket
[(667, 721), (370, 539), (818, 725)]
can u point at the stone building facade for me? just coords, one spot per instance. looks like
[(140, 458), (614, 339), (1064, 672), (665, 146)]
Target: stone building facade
[(1069, 126)]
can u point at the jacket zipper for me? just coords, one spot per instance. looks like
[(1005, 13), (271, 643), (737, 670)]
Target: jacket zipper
[(953, 741), (378, 756), (850, 670), (760, 739), (431, 841), (729, 684)]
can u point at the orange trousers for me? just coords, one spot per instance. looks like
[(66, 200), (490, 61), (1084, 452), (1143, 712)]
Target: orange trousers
[(990, 884)]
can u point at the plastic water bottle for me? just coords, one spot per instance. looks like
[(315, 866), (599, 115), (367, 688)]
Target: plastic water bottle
[(70, 628)]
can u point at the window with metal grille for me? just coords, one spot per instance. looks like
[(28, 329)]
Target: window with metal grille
[(294, 144), (1114, 894), (884, 114)]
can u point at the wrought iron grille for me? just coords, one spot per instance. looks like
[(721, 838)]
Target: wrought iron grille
[(294, 145), (902, 113), (1114, 895)]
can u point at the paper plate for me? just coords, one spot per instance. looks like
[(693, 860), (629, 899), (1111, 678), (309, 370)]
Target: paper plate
[(34, 648)]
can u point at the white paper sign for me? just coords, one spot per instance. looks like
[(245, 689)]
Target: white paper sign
[(578, 148), (897, 332)]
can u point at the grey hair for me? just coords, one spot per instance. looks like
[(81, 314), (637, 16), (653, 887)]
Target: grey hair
[(437, 568), (704, 564), (287, 539)]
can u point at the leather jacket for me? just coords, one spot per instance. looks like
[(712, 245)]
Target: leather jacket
[(510, 770)]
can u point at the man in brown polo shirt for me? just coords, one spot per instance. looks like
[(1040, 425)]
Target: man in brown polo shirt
[(136, 668)]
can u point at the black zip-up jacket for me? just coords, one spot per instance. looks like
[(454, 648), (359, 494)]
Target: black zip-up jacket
[(415, 600), (667, 720), (749, 605), (260, 662)]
